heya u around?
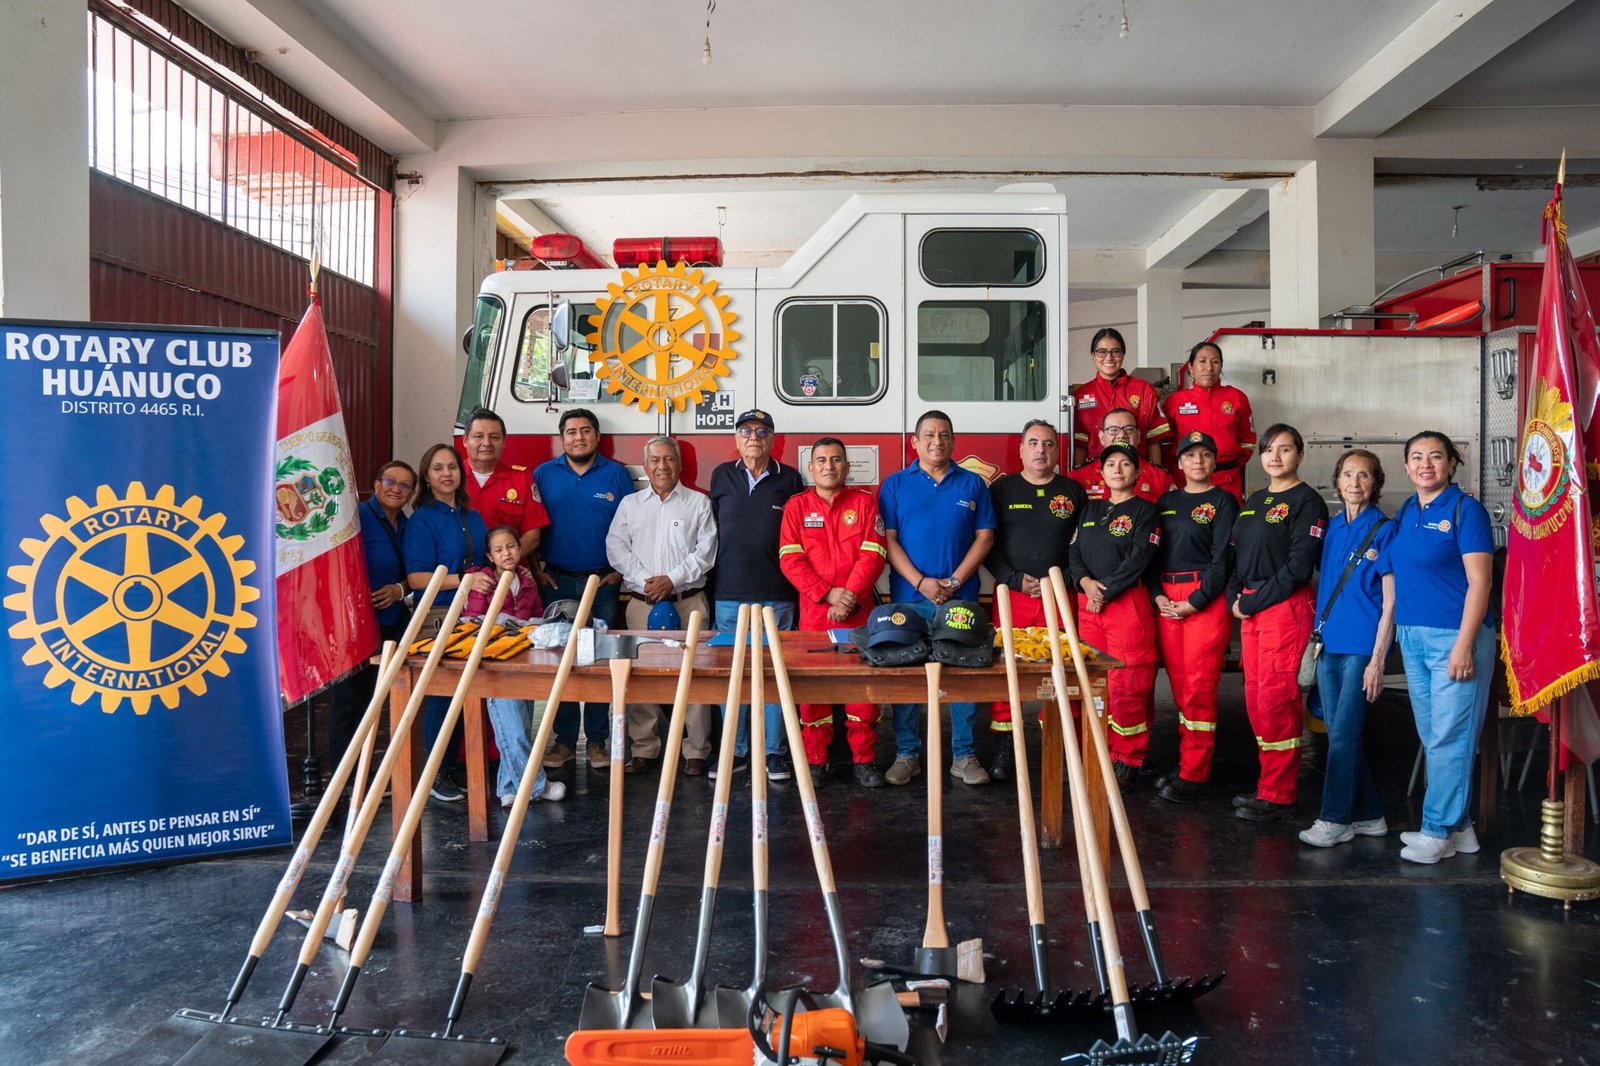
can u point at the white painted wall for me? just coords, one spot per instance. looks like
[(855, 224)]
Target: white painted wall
[(1204, 311)]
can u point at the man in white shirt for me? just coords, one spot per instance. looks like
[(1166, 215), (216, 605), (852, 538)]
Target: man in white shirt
[(663, 541)]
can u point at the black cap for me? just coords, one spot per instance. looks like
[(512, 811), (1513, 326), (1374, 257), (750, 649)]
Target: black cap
[(1119, 448), (895, 623), (963, 622), (756, 414), (1196, 439), (561, 611)]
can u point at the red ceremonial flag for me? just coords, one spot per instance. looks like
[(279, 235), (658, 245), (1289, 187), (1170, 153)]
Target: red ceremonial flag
[(1551, 637), (326, 626)]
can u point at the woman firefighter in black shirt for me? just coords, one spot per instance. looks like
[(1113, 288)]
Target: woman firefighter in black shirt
[(1277, 544), (1116, 540), (1192, 618)]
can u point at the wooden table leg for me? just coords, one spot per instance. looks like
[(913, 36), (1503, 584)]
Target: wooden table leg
[(1489, 768), (1052, 756), (1099, 805), (473, 713), (1576, 817), (408, 884)]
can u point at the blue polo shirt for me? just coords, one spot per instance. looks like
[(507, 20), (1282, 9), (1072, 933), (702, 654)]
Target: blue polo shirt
[(1352, 625), (441, 535), (581, 507), (1430, 581), (936, 523), (384, 547)]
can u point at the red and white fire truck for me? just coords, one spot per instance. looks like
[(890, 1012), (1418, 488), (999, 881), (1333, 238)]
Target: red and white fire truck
[(901, 302)]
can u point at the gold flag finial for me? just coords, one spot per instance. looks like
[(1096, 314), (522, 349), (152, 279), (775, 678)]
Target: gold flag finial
[(316, 257), (1561, 171)]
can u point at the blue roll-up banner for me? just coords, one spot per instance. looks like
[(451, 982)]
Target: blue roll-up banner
[(139, 711)]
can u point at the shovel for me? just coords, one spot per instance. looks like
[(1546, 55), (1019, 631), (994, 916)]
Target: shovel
[(406, 1046), (877, 1013), (1130, 1047), (621, 670), (1163, 989), (935, 958), (733, 1004), (606, 1008), (688, 1005)]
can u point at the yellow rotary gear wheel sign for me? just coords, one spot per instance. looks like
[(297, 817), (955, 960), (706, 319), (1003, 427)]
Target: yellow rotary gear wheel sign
[(133, 597), (646, 335)]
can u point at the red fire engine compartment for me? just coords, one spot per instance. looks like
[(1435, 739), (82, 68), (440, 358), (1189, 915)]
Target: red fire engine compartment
[(1483, 299)]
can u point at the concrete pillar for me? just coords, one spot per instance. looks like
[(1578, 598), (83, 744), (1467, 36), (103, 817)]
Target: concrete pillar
[(1160, 300), (1322, 238), (44, 168)]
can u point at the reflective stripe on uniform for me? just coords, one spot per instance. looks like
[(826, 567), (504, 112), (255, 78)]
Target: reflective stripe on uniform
[(1189, 723), (790, 549), (1131, 730), (1277, 745), (869, 546), (1000, 727)]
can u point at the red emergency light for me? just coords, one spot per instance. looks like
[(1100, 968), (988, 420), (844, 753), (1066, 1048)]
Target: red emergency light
[(648, 251), (564, 250)]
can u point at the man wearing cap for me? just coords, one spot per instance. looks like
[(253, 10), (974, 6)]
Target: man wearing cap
[(662, 541), (1121, 426), (582, 490), (831, 550), (940, 524), (747, 499), (502, 494), (1036, 513)]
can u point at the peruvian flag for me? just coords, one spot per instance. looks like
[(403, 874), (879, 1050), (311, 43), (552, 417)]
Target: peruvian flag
[(326, 625)]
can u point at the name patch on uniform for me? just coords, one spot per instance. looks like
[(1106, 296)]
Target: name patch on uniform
[(1188, 409), (813, 521), (1088, 401)]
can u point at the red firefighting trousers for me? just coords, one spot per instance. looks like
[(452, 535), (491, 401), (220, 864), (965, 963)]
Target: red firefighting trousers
[(816, 719), (1125, 630), (1272, 642), (1191, 650)]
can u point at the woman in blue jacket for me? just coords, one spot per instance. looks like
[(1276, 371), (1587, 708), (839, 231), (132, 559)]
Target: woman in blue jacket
[(1441, 558), (444, 531)]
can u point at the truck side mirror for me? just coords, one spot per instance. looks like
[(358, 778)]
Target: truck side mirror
[(466, 340), (561, 327), (560, 378)]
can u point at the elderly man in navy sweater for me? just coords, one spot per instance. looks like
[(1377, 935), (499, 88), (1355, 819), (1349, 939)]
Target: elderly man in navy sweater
[(747, 498)]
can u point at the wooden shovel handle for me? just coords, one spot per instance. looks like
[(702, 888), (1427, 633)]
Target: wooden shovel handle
[(1097, 729), (319, 821), (758, 765), (1082, 817), (719, 800), (1030, 835), (359, 781), (935, 934), (802, 775), (669, 761), (621, 671)]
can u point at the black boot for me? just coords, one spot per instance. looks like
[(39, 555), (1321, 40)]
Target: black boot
[(1004, 767)]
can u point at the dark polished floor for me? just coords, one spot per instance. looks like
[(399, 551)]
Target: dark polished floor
[(1333, 956)]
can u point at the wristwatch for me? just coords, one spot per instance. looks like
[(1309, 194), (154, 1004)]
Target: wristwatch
[(950, 583)]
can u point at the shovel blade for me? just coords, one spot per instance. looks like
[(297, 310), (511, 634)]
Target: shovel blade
[(607, 1008), (730, 1007), (167, 1042), (253, 1043), (672, 1004), (1168, 1050), (411, 1047)]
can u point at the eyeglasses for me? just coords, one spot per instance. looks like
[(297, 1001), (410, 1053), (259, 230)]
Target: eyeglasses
[(391, 483), (1106, 353), (1119, 431), (759, 432)]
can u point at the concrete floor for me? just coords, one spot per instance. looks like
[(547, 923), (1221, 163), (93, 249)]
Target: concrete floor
[(1333, 956)]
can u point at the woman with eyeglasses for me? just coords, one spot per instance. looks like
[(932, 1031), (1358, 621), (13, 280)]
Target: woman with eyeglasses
[(383, 530), (1113, 387)]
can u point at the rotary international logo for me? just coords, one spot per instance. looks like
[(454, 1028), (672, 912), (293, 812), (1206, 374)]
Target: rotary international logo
[(663, 337), (133, 597), (898, 618), (1121, 526), (1543, 500)]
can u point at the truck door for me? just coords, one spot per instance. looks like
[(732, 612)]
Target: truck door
[(985, 328)]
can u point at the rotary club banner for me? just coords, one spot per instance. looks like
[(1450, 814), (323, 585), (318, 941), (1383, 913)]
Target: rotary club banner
[(141, 719), (1551, 637), (326, 626)]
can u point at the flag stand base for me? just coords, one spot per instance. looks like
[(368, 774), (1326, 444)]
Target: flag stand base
[(1547, 870)]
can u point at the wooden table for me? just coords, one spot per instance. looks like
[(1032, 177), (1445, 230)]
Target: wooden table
[(817, 673)]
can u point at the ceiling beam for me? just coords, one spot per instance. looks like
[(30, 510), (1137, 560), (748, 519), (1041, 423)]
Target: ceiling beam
[(1448, 42), (292, 43), (1211, 222)]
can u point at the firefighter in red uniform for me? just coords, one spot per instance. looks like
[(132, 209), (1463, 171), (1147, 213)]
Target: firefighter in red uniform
[(1219, 411), (831, 549), (1277, 544), (1192, 619), (1116, 542), (1111, 388), (1121, 427), (502, 494)]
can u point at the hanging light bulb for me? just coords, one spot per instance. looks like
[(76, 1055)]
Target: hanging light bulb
[(1123, 32), (705, 57)]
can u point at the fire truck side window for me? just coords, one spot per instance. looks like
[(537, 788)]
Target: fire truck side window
[(830, 351), (530, 380), (990, 257), (981, 350), (480, 349)]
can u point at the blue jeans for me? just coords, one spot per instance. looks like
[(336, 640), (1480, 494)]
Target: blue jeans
[(510, 719), (727, 619), (1449, 716), (1349, 794), (434, 708), (908, 716), (596, 716)]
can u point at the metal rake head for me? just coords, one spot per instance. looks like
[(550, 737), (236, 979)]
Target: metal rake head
[(1168, 1050), (1035, 1007), (1173, 990)]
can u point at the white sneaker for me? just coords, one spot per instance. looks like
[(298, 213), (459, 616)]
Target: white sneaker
[(1376, 827), (1463, 840), (507, 800), (1326, 834), (554, 792), (1428, 850)]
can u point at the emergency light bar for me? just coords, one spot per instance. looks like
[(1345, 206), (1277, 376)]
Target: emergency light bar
[(564, 250), (648, 251)]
